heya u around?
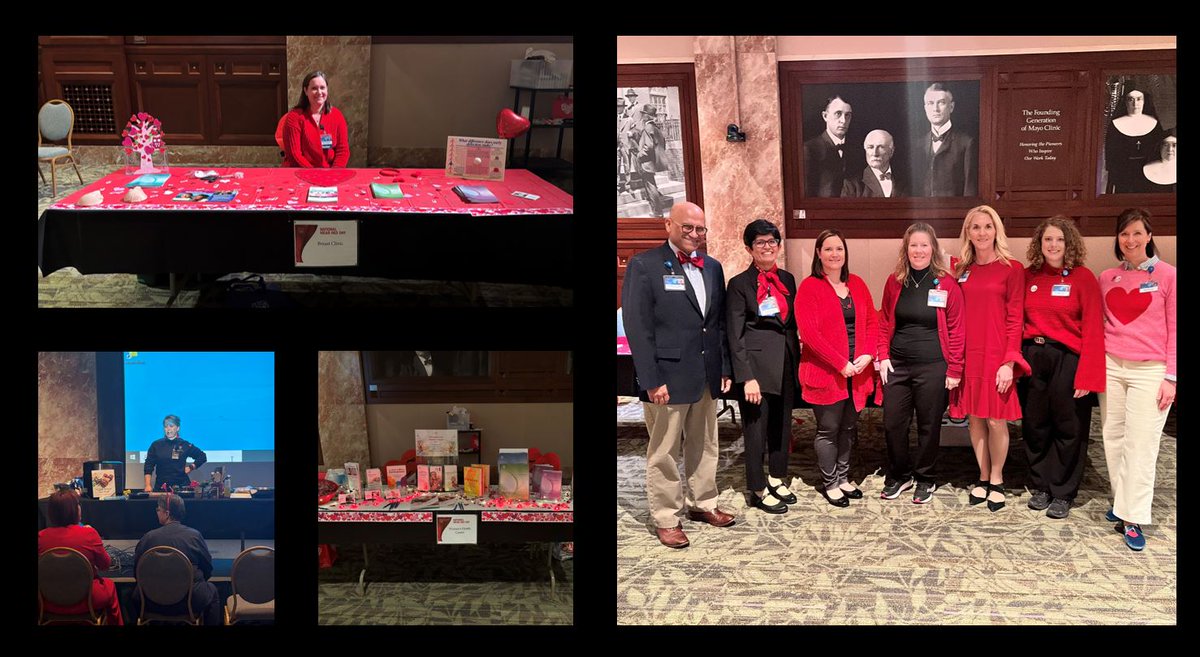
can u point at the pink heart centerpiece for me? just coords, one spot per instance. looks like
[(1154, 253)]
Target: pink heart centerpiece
[(1127, 305), (509, 124), (325, 177)]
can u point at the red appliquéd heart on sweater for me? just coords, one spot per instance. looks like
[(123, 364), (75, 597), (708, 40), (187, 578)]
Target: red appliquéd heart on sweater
[(1127, 305), (325, 177)]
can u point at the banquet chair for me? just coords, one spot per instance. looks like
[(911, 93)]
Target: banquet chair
[(65, 580), (56, 122), (253, 581), (164, 576)]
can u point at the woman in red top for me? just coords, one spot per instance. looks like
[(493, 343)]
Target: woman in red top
[(315, 134), (1064, 345), (992, 282), (65, 530), (838, 328), (920, 358)]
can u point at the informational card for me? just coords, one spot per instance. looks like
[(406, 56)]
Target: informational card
[(326, 243), (437, 442), (395, 475), (104, 483), (353, 478), (450, 481), (457, 528), (374, 479), (475, 158), (422, 477)]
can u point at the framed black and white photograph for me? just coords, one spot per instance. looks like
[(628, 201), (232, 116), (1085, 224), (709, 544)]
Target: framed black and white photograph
[(1139, 135), (651, 176), (890, 139)]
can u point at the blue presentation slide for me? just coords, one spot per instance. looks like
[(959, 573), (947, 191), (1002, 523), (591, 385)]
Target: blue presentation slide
[(225, 401)]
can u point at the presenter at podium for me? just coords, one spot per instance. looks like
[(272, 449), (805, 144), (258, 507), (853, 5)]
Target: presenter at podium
[(169, 455)]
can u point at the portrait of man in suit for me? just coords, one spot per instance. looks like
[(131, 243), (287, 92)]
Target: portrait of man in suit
[(947, 158), (828, 159), (879, 178)]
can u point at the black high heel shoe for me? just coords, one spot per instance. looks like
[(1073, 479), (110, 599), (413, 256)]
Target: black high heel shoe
[(756, 501), (998, 488), (855, 494), (978, 500), (842, 501), (790, 498)]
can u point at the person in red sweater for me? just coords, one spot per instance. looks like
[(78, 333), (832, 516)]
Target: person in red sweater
[(838, 328), (315, 135), (992, 281), (1139, 336), (65, 530), (920, 355), (1064, 345)]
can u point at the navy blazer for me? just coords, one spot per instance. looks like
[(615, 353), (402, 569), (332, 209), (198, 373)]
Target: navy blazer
[(671, 343), (953, 170), (757, 345)]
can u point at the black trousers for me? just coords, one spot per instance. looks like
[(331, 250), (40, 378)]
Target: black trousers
[(920, 389), (769, 426), (837, 431), (653, 196), (1054, 424)]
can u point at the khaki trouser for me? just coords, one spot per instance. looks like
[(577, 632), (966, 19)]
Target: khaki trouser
[(696, 425), (1132, 431)]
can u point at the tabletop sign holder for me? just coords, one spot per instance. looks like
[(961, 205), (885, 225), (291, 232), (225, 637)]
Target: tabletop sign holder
[(325, 243), (475, 158), (457, 528)]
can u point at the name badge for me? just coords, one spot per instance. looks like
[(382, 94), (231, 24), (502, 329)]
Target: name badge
[(768, 308), (1148, 286), (674, 283), (1061, 290), (965, 275), (326, 141), (937, 298)]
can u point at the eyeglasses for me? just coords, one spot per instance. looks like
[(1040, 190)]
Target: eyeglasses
[(688, 228), (764, 244)]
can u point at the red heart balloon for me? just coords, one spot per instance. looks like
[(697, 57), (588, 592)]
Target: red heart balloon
[(509, 124), (325, 177), (1126, 305)]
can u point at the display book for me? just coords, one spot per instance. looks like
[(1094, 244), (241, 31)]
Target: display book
[(437, 459), (322, 194)]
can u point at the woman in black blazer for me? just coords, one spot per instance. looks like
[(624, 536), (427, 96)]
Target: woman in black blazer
[(765, 351)]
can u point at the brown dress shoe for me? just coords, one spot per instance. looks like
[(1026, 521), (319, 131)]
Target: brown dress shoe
[(672, 537), (716, 517)]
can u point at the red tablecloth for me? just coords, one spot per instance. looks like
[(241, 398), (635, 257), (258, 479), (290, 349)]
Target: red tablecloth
[(425, 191)]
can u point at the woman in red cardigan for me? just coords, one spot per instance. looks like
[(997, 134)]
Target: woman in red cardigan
[(1064, 345), (65, 530), (920, 358), (315, 133), (992, 282), (838, 330)]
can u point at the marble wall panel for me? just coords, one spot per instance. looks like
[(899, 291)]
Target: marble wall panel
[(67, 424), (347, 62), (341, 409)]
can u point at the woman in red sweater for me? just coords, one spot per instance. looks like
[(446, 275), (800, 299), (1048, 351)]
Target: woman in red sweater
[(315, 134), (65, 530), (920, 359), (992, 282), (1064, 345), (838, 328)]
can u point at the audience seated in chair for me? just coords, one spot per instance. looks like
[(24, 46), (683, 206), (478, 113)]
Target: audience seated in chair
[(65, 531), (205, 603)]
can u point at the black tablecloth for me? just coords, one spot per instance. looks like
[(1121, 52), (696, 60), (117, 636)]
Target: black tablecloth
[(214, 519)]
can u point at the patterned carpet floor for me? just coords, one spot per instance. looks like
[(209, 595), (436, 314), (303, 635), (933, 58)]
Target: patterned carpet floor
[(447, 585), (892, 562), (67, 288)]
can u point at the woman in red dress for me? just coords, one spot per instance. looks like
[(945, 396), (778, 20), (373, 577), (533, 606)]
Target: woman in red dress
[(65, 530), (992, 282)]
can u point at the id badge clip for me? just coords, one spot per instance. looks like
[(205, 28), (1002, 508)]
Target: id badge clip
[(1061, 290), (1148, 286), (769, 307), (937, 298), (674, 283), (326, 140)]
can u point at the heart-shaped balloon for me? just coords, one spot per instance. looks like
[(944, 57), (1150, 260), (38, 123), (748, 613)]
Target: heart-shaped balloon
[(325, 177), (509, 124)]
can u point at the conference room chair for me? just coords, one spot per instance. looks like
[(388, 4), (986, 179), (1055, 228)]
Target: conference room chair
[(164, 577), (65, 579), (56, 122), (253, 581)]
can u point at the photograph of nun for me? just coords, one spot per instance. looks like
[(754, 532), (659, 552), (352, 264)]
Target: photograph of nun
[(1142, 108)]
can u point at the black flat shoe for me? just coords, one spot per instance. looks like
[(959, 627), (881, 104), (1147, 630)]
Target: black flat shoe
[(756, 501), (842, 501), (999, 488), (790, 498), (978, 500), (855, 494)]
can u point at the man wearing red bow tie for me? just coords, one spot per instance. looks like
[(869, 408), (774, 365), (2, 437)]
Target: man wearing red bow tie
[(673, 303)]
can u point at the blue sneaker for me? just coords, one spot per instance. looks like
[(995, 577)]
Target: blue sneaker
[(1134, 538), (1110, 516)]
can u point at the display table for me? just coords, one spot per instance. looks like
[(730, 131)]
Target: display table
[(214, 519), (368, 523), (429, 233)]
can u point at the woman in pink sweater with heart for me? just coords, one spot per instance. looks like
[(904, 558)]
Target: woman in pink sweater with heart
[(1139, 336)]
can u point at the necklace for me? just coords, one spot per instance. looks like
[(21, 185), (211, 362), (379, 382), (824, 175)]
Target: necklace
[(915, 282)]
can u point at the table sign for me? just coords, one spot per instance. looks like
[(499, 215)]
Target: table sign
[(457, 528), (475, 158), (326, 243)]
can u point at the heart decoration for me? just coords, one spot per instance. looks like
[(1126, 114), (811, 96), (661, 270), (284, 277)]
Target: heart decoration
[(325, 177), (563, 108), (1127, 305), (509, 124)]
